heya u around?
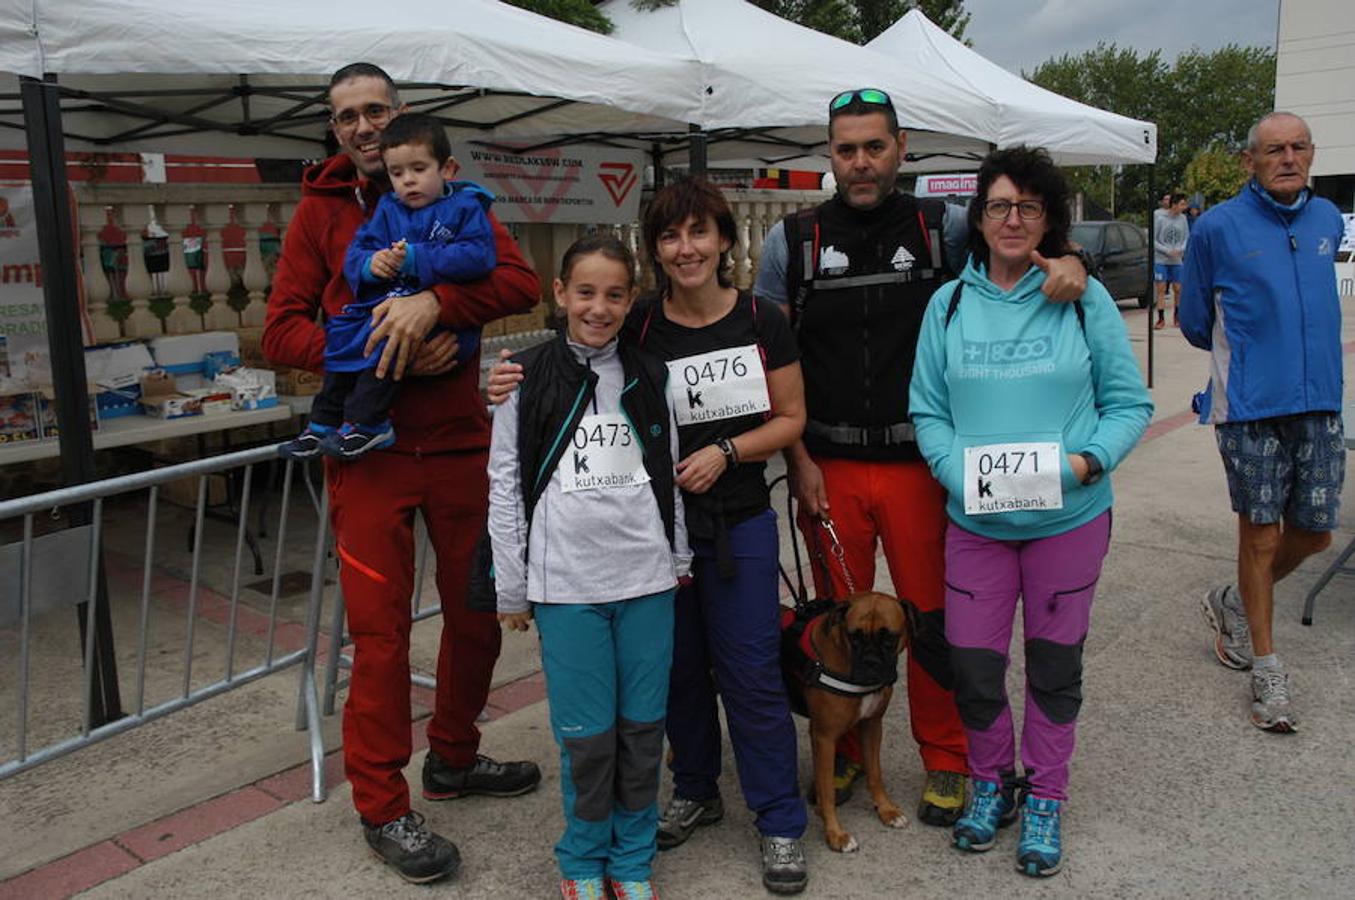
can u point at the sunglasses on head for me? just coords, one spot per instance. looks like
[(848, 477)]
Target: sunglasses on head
[(871, 96)]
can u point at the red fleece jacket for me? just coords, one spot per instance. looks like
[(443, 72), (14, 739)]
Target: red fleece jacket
[(431, 415)]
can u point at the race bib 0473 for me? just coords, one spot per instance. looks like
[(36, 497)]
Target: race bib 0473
[(1002, 478), (603, 454), (722, 384)]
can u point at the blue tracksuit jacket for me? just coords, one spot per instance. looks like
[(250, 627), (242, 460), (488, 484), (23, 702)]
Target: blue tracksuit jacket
[(448, 240), (1259, 292)]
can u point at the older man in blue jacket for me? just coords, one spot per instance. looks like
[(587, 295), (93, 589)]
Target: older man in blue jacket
[(1259, 293)]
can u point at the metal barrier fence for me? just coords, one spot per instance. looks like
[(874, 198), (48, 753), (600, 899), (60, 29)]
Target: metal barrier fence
[(86, 503)]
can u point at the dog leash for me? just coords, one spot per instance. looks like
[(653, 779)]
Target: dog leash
[(835, 547)]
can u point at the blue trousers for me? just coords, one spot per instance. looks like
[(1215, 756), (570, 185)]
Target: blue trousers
[(606, 668), (727, 636)]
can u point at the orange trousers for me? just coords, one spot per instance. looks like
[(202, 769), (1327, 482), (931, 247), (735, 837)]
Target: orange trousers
[(902, 507)]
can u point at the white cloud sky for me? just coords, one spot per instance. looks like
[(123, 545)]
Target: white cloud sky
[(1021, 34)]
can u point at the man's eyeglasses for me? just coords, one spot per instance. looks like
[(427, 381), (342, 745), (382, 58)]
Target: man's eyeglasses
[(376, 113), (1026, 209), (871, 96)]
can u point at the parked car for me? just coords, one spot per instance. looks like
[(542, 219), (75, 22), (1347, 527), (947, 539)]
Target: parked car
[(1121, 253)]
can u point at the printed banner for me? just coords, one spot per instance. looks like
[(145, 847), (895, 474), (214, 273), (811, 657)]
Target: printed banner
[(23, 315), (563, 185)]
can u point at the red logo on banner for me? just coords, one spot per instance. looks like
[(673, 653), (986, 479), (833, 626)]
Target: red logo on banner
[(8, 227), (618, 178)]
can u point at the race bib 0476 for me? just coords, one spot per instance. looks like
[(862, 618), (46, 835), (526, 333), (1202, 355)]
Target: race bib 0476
[(603, 454), (722, 384), (1002, 478)]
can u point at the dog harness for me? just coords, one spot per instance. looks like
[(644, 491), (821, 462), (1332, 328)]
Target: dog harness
[(801, 659)]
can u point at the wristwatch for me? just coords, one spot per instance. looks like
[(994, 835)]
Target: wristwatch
[(1094, 468)]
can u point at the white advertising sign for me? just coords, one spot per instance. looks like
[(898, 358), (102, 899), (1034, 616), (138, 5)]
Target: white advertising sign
[(23, 316), (564, 185)]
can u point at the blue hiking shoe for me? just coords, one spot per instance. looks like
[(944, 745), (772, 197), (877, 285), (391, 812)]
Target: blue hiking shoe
[(308, 444), (989, 808), (352, 441), (632, 890), (1040, 851)]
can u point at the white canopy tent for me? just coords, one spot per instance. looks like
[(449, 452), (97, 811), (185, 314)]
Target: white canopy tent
[(1076, 134), (138, 75), (768, 82)]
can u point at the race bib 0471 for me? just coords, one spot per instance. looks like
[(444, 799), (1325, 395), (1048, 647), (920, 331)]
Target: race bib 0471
[(722, 384), (604, 454), (1002, 478)]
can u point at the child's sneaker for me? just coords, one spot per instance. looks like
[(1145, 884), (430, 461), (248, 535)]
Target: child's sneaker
[(989, 809), (1040, 850), (633, 890), (308, 444), (582, 889), (352, 441)]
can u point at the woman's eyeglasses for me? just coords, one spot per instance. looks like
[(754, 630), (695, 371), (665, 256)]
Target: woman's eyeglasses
[(376, 113), (1026, 209)]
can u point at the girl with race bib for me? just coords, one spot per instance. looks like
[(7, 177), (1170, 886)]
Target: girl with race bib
[(735, 387), (588, 535), (1022, 407)]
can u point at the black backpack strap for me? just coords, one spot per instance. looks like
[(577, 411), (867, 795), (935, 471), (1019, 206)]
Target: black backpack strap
[(802, 237), (1081, 316), (954, 302), (932, 216)]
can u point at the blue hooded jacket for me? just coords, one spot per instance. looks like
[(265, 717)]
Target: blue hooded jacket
[(449, 240), (1258, 291), (1012, 367)]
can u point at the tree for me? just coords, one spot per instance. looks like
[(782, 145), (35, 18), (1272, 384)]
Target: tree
[(575, 12), (1201, 100), (1217, 173)]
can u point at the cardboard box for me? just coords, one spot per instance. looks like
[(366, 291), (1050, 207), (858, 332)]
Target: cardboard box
[(184, 491), (250, 388), (183, 354), (47, 412), (212, 401), (161, 399), (298, 382)]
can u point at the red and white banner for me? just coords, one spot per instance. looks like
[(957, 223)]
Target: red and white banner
[(564, 185)]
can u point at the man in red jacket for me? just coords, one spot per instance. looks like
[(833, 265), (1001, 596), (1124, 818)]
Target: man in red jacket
[(436, 466)]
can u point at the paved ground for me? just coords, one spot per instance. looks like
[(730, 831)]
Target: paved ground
[(1173, 792)]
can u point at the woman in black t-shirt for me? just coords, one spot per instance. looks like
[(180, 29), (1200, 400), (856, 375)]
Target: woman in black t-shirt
[(734, 380)]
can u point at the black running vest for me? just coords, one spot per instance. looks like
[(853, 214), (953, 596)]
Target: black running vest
[(857, 317)]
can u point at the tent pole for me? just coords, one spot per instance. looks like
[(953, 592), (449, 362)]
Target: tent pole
[(65, 342), (656, 160), (1152, 261), (696, 151)]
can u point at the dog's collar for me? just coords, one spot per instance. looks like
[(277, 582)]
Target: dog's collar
[(821, 676)]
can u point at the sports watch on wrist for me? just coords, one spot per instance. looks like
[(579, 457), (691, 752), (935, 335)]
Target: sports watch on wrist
[(1094, 468)]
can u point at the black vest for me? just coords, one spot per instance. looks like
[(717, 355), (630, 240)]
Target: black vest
[(555, 393), (858, 316)]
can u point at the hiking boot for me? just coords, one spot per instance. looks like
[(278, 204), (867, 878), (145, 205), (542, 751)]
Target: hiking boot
[(942, 798), (783, 865), (989, 808), (1270, 710), (632, 890), (683, 816), (583, 889), (1040, 850), (414, 852), (1232, 638), (845, 775), (308, 444), (352, 441), (485, 777)]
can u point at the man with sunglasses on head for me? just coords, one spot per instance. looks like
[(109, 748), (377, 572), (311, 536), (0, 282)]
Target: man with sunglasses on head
[(437, 466), (855, 275)]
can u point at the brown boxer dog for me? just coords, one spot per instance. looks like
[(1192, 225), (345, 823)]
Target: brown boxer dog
[(857, 644)]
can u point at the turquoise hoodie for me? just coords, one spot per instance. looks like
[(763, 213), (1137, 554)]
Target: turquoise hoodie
[(1013, 367)]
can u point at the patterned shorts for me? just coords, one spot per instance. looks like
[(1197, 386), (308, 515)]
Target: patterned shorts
[(1290, 466)]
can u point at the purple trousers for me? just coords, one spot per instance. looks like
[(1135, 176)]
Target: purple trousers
[(1055, 578)]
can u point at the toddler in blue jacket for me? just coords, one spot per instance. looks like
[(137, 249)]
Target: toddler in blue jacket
[(427, 230)]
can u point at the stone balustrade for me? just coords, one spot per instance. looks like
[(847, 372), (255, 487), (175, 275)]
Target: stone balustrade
[(223, 242)]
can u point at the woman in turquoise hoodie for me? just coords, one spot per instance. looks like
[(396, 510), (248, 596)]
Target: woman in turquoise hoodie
[(1021, 408)]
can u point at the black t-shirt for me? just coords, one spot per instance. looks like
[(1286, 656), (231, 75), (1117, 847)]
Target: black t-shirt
[(712, 375)]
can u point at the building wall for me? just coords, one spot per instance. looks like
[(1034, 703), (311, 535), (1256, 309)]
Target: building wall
[(1315, 77)]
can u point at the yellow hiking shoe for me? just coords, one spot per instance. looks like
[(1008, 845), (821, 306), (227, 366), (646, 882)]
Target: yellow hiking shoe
[(942, 798), (845, 775)]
